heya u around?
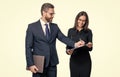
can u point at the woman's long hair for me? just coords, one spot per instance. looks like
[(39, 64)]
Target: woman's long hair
[(82, 13)]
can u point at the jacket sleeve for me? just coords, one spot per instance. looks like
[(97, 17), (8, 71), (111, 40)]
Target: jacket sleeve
[(65, 39), (29, 46), (90, 37), (69, 36)]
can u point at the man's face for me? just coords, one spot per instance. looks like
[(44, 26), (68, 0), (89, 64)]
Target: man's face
[(49, 14)]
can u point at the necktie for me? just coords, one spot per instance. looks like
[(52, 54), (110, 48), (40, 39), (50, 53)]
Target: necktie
[(47, 32)]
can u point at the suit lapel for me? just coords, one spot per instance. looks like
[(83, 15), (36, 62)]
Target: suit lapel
[(41, 33), (51, 31)]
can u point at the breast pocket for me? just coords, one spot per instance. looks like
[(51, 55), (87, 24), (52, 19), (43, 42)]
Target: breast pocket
[(83, 37)]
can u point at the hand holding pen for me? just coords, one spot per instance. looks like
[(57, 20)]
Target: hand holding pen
[(81, 44)]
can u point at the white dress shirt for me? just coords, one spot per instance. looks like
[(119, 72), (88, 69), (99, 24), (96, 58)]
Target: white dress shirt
[(44, 26)]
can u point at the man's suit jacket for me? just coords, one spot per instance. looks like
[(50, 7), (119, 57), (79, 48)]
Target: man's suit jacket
[(37, 44)]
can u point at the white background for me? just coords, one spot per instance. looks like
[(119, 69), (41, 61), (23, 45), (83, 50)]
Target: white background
[(104, 15)]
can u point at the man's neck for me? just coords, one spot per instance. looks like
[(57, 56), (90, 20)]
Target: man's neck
[(43, 19)]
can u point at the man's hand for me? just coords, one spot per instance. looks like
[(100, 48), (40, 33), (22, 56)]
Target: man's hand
[(79, 44), (33, 69), (69, 51)]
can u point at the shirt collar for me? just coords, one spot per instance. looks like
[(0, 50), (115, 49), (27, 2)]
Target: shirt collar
[(42, 22)]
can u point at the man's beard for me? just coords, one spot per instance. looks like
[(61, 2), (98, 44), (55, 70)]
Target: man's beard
[(48, 19)]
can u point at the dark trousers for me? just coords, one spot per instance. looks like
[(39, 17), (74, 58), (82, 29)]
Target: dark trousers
[(50, 71)]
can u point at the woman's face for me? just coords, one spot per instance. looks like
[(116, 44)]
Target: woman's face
[(81, 21)]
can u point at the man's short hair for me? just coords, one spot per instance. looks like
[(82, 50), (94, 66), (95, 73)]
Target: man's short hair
[(46, 6)]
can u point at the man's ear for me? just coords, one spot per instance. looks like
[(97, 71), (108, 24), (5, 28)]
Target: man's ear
[(43, 12)]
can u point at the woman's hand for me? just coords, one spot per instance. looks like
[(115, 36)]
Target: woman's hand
[(69, 51), (89, 44)]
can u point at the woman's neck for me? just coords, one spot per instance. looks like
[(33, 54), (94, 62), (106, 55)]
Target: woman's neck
[(79, 28)]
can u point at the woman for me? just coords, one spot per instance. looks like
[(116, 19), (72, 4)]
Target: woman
[(80, 61)]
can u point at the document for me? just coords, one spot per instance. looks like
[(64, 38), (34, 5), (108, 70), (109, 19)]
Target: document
[(39, 62)]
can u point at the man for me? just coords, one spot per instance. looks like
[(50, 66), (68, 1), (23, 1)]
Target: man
[(41, 40)]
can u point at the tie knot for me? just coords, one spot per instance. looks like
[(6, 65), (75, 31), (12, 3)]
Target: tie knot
[(46, 25)]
